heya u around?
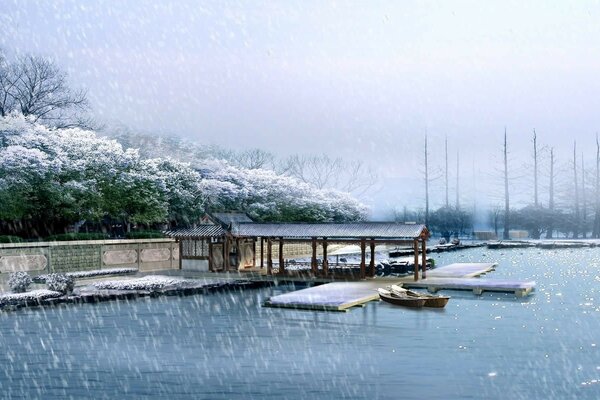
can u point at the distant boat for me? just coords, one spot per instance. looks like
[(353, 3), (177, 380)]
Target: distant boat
[(400, 300), (430, 300)]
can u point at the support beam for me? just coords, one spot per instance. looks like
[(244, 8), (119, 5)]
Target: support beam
[(238, 255), (416, 249), (269, 257), (226, 261), (325, 261), (423, 258), (372, 262), (262, 253), (281, 261), (210, 256), (254, 253), (363, 245), (313, 260)]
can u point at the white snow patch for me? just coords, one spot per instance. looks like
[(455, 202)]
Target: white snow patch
[(150, 282), (39, 294)]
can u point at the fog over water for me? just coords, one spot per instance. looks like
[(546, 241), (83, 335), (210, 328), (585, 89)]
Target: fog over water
[(339, 78)]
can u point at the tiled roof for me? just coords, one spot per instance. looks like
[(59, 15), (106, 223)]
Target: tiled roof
[(208, 230), (375, 230)]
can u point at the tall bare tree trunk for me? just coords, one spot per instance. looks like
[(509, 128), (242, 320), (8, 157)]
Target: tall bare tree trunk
[(426, 185), (457, 181), (446, 147), (596, 230), (576, 224), (535, 170), (583, 202), (506, 234), (550, 231)]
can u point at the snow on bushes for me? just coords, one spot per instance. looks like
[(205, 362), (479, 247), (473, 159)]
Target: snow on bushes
[(91, 274), (19, 281), (60, 283), (150, 282), (34, 295)]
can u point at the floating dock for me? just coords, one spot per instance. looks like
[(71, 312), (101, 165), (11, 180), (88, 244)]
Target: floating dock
[(335, 296), (477, 285), (462, 270)]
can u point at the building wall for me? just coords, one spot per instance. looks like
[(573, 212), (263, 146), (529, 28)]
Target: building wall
[(47, 257)]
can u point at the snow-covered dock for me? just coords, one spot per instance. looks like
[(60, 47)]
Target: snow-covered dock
[(477, 285), (335, 296), (462, 270)]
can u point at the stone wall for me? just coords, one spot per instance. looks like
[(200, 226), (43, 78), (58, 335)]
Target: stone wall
[(46, 257)]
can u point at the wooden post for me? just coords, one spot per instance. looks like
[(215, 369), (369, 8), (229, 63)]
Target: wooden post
[(238, 255), (372, 263), (210, 256), (363, 244), (262, 253), (325, 261), (226, 261), (424, 258), (254, 253), (416, 249), (281, 261), (269, 257), (313, 260)]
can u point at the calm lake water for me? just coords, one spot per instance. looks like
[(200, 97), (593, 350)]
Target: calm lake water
[(225, 345)]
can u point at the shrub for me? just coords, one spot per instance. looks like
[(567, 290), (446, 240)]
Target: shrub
[(60, 283), (19, 281), (10, 239), (76, 236), (144, 235)]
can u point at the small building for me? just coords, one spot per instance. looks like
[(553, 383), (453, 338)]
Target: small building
[(233, 242)]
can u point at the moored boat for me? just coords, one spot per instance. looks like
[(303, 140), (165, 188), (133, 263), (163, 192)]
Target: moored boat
[(430, 300), (400, 300)]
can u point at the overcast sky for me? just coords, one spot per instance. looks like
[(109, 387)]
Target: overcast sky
[(363, 79)]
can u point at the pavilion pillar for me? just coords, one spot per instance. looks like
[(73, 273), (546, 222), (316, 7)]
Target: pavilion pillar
[(254, 253), (269, 257), (363, 245), (238, 255), (262, 253), (226, 261), (313, 260), (210, 257), (325, 261), (424, 258), (281, 261), (372, 262), (416, 250)]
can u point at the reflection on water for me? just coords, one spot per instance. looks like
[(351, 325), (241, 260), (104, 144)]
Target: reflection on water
[(224, 345)]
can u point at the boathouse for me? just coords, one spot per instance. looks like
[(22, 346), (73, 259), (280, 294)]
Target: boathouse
[(232, 241)]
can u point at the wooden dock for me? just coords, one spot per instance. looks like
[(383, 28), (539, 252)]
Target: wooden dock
[(335, 296), (477, 285), (462, 270)]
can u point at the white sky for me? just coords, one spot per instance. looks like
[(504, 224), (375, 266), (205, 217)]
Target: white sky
[(363, 79)]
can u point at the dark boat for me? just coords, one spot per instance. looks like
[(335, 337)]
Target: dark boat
[(430, 300), (400, 300)]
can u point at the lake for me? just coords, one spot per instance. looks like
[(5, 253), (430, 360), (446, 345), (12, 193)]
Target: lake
[(226, 346)]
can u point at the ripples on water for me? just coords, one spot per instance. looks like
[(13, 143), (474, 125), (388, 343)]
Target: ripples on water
[(224, 345)]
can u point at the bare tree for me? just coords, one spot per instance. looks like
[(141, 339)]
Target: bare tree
[(255, 159), (550, 230), (323, 171), (36, 87), (426, 184), (596, 229), (506, 234), (576, 222), (535, 170)]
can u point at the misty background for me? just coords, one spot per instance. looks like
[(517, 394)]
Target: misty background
[(345, 79)]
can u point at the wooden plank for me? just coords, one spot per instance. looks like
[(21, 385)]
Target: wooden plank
[(335, 296)]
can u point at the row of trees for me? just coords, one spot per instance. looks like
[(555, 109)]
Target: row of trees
[(54, 178), (566, 189)]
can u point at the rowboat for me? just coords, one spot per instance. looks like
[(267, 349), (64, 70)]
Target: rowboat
[(430, 300), (400, 300)]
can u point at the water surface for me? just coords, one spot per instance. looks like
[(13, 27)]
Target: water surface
[(225, 345)]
